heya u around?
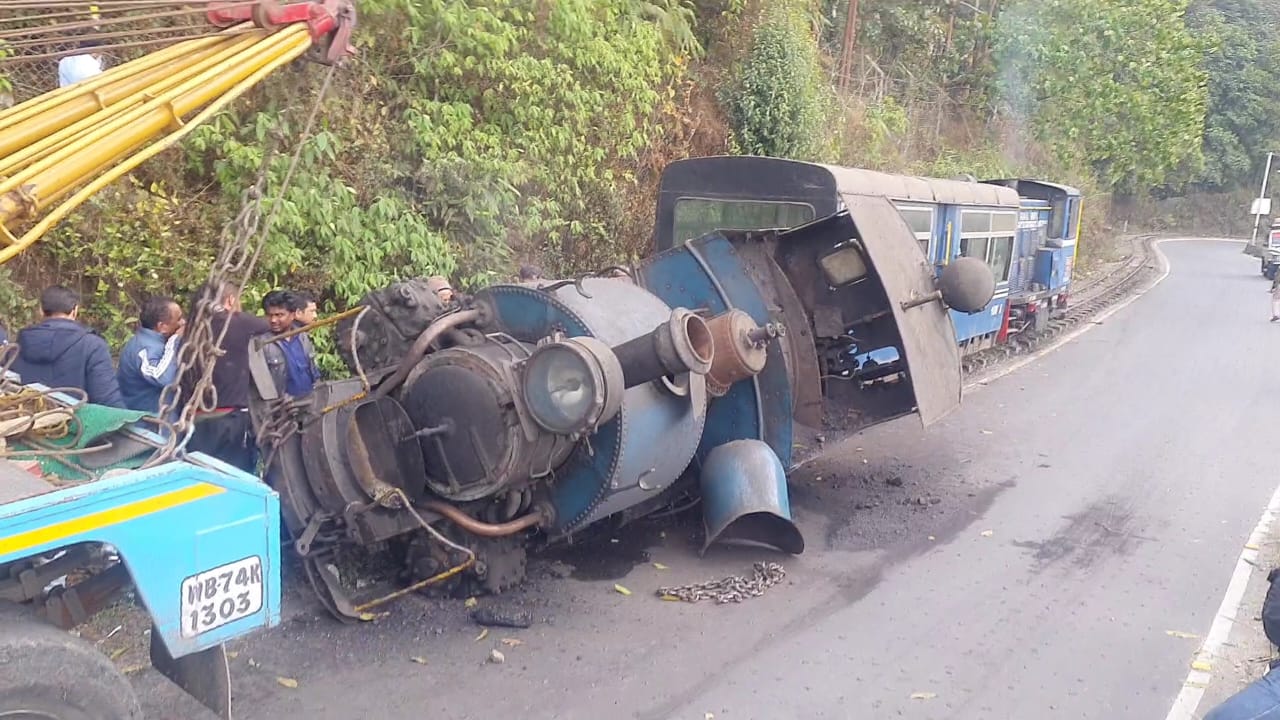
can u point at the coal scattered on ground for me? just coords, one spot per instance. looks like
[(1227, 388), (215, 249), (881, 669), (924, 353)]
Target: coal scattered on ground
[(613, 553)]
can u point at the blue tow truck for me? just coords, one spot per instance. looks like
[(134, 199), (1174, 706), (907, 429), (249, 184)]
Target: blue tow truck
[(197, 541), (94, 505)]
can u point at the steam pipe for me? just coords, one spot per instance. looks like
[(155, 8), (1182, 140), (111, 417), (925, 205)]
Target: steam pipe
[(484, 529), (681, 344), (420, 347), (362, 467)]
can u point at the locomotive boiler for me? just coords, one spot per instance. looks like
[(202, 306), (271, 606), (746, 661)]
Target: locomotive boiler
[(528, 413)]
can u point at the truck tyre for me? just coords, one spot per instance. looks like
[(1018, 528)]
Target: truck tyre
[(50, 675)]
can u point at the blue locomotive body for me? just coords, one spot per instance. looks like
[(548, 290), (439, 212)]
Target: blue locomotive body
[(539, 410)]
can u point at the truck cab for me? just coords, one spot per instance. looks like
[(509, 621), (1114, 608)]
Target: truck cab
[(1269, 250), (92, 508)]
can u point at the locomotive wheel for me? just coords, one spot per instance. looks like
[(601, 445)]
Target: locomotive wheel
[(504, 562), (326, 594), (50, 675), (500, 564)]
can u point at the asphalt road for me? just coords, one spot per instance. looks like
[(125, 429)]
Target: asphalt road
[(1023, 559)]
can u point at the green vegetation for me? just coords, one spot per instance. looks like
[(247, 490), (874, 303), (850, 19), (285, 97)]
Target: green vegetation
[(1244, 98), (1113, 85), (780, 100), (472, 136)]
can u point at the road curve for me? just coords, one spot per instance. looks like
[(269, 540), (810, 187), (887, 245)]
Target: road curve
[(1024, 559), (1137, 460)]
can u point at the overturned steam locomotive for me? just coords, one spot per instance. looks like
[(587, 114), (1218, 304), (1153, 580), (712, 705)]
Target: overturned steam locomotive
[(529, 412)]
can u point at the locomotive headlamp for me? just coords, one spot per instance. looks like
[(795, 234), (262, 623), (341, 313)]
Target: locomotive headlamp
[(573, 386)]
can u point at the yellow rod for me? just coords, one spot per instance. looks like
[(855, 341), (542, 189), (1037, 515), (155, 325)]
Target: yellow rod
[(172, 76), (123, 129), (39, 139), (86, 89), (91, 153), (1075, 250), (39, 229)]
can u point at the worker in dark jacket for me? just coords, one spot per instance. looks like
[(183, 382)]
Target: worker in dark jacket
[(226, 433), (60, 352)]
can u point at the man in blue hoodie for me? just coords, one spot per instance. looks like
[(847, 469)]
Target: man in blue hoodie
[(60, 352), (149, 361)]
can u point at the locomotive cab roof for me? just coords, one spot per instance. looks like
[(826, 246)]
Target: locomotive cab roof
[(1037, 189)]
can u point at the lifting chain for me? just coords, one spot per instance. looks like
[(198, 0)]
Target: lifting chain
[(241, 245), (200, 341), (734, 588)]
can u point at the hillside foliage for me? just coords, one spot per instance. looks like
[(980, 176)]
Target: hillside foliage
[(469, 137)]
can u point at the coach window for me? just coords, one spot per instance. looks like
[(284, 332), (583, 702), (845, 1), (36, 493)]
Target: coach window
[(975, 229), (920, 220), (988, 236), (1058, 219), (695, 217)]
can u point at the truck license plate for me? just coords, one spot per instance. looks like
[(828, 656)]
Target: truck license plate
[(224, 594)]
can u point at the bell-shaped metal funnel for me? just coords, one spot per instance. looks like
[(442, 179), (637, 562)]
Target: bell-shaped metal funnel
[(744, 498)]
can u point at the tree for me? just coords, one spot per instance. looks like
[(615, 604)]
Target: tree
[(1243, 118), (779, 99), (1113, 84)]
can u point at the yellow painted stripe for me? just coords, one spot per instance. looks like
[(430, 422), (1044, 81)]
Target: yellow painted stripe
[(113, 516)]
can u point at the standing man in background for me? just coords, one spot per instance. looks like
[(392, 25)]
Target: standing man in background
[(60, 352), (1275, 299), (306, 304), (149, 360), (226, 433), (81, 66)]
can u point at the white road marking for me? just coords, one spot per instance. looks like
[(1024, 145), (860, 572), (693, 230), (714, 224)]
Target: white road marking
[(1188, 700)]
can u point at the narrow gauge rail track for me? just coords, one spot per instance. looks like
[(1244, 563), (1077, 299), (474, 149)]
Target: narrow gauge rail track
[(1094, 296)]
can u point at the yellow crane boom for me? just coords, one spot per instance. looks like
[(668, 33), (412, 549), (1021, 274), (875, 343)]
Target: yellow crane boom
[(58, 149)]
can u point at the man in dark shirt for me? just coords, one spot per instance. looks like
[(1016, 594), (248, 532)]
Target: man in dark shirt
[(226, 433), (60, 352)]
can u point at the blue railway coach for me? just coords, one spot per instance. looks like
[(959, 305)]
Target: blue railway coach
[(950, 218), (1045, 253)]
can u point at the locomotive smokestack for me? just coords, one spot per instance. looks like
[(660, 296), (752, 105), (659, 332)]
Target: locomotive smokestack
[(681, 344)]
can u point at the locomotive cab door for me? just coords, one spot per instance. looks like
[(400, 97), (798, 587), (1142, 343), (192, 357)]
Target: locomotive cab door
[(873, 288), (925, 329)]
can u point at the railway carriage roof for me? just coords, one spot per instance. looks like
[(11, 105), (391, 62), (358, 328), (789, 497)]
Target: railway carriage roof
[(727, 175), (857, 181)]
